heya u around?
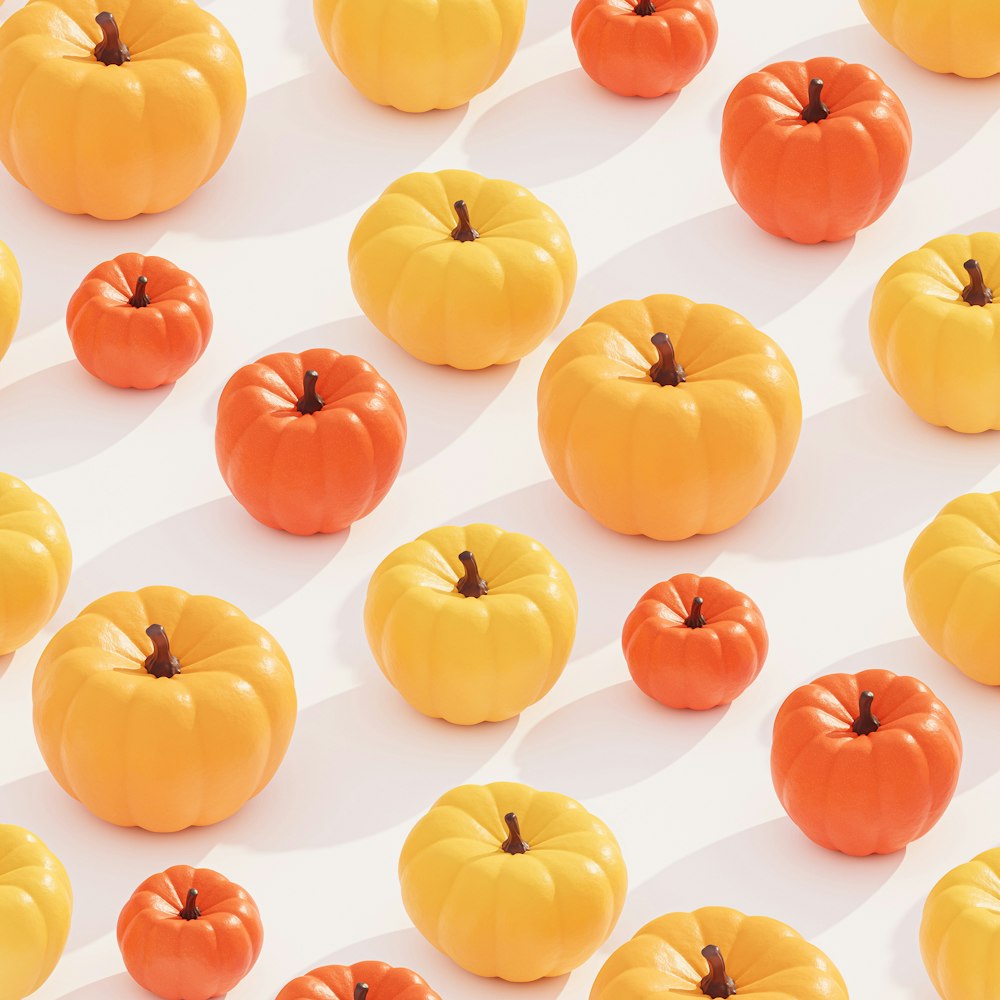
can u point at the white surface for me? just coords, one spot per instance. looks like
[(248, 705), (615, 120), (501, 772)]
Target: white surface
[(640, 188)]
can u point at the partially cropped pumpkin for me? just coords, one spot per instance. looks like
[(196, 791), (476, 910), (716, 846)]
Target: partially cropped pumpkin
[(163, 710), (512, 883), (718, 952), (119, 109), (461, 270), (865, 763), (815, 151), (10, 297), (416, 56), (935, 329), (668, 419), (361, 981)]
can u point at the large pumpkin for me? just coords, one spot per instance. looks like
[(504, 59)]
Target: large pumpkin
[(113, 108), (139, 322), (865, 763), (36, 904), (35, 563), (417, 56), (361, 981), (512, 883), (471, 624), (10, 297), (935, 330), (460, 270), (718, 952), (309, 442), (814, 151), (668, 419), (163, 710)]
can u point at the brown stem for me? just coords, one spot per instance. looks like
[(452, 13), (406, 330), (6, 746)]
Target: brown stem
[(190, 911), (360, 991), (645, 7), (666, 370), (866, 723), (161, 662), (464, 231), (815, 110), (140, 299), (110, 50), (310, 401), (717, 984), (472, 584), (696, 619), (515, 843), (977, 292)]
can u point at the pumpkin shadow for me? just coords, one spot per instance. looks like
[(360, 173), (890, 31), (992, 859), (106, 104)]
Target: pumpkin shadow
[(545, 20), (120, 985), (908, 973), (5, 661)]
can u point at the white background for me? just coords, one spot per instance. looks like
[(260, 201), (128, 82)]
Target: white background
[(639, 186)]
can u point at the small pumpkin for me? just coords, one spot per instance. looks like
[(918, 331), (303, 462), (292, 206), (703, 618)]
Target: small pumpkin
[(471, 624), (309, 442), (416, 56), (644, 48), (461, 270), (668, 419), (36, 558), (865, 763), (119, 110), (512, 883), (11, 289), (139, 322), (935, 331), (815, 151), (361, 981), (36, 905), (718, 952), (694, 642), (163, 710)]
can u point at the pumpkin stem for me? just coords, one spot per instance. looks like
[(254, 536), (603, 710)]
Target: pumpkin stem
[(515, 843), (645, 7), (161, 662), (463, 232), (310, 401), (190, 911), (696, 619), (717, 984), (140, 299), (866, 723), (977, 292), (360, 991), (110, 50), (472, 584), (815, 110), (666, 371)]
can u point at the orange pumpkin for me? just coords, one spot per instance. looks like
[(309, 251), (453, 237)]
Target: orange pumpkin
[(694, 642), (361, 981), (814, 151), (309, 442), (865, 763), (139, 322), (189, 934), (644, 48)]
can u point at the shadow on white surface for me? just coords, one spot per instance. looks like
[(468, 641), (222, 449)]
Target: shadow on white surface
[(114, 986), (5, 661), (547, 19)]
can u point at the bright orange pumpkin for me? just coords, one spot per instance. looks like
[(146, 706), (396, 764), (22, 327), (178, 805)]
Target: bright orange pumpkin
[(309, 442), (139, 322), (361, 981), (815, 151)]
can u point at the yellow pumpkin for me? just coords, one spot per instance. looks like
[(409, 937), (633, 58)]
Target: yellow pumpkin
[(947, 36), (668, 419), (471, 624), (952, 582), (163, 710), (936, 331), (36, 903), (35, 563), (113, 108), (512, 883), (461, 270), (717, 952), (10, 297), (416, 56)]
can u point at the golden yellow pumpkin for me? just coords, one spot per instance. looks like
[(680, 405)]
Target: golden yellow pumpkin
[(113, 108), (163, 710), (10, 297), (936, 331), (461, 270), (512, 883)]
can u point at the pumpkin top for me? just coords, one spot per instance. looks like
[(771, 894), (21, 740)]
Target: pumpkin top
[(361, 981)]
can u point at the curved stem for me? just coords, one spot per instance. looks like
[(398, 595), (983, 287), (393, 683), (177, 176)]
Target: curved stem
[(464, 231), (645, 7), (140, 298), (310, 401), (190, 911), (977, 292), (815, 110), (110, 50), (360, 991), (696, 619), (161, 662), (717, 984), (515, 843), (866, 723), (666, 371), (472, 584)]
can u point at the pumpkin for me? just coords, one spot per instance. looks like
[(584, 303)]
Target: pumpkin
[(36, 903), (936, 331), (471, 624), (416, 56), (189, 934), (460, 270), (118, 109), (361, 981), (947, 36), (865, 763), (718, 952), (694, 642), (952, 583), (36, 560), (309, 442), (512, 883), (644, 48), (163, 710), (668, 419), (814, 151), (10, 297), (139, 322)]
